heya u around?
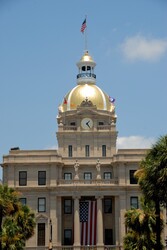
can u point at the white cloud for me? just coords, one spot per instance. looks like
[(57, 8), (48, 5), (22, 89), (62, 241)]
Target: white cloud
[(141, 48), (135, 142)]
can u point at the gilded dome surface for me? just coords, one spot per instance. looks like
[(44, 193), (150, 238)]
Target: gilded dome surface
[(87, 91)]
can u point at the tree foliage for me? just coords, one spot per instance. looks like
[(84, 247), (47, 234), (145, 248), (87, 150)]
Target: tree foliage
[(17, 221), (141, 227), (152, 178), (152, 175)]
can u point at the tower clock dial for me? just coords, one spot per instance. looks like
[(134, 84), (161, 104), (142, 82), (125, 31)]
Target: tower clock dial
[(87, 123)]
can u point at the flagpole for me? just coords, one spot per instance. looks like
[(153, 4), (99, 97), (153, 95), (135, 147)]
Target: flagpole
[(86, 34)]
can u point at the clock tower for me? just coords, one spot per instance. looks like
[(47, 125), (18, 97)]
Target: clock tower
[(86, 118)]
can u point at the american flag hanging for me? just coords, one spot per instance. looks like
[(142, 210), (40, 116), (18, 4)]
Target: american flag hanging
[(88, 221)]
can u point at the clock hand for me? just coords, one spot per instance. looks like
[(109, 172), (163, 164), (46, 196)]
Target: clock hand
[(87, 123)]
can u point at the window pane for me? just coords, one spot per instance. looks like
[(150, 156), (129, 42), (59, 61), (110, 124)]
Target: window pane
[(134, 202), (107, 175), (68, 237), (41, 234), (67, 206), (23, 201), (133, 180), (22, 178), (70, 151), (41, 204), (67, 176), (107, 205), (103, 150), (87, 176), (41, 177), (87, 153), (108, 237)]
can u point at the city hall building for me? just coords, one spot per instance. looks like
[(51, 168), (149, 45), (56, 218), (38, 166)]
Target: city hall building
[(80, 191)]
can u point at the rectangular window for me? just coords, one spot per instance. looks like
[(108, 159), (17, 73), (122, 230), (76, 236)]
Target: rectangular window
[(108, 237), (41, 177), (23, 178), (133, 180), (107, 205), (41, 204), (104, 150), (134, 202), (68, 206), (23, 201), (68, 237), (41, 234), (67, 176), (69, 150), (87, 153), (107, 175), (87, 176)]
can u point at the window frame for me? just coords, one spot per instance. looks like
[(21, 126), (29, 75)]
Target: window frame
[(67, 207), (87, 174), (132, 179), (22, 180), (68, 240), (108, 240), (41, 205), (41, 180), (106, 174), (41, 234), (68, 174), (87, 150), (70, 151), (23, 201), (134, 205), (107, 207), (104, 151)]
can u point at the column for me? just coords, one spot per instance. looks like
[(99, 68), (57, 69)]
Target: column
[(53, 219), (76, 224), (59, 221), (122, 208), (100, 242), (117, 241)]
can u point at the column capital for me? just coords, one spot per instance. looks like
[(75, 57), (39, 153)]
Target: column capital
[(99, 197), (76, 197)]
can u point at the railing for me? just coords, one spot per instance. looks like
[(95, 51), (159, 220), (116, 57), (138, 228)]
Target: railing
[(112, 247), (86, 75), (88, 182), (69, 127), (104, 127)]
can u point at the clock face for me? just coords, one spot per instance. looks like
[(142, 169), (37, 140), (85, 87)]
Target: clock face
[(87, 123)]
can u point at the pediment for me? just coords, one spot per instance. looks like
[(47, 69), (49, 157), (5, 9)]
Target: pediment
[(41, 217)]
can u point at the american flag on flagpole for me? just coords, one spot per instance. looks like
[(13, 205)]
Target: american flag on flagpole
[(83, 26), (88, 221)]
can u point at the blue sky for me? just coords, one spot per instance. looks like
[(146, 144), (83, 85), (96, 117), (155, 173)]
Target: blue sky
[(40, 43)]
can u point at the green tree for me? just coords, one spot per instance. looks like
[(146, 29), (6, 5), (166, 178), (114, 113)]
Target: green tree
[(17, 220), (141, 226), (152, 178), (9, 204)]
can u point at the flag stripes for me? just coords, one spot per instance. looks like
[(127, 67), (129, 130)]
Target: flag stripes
[(83, 26), (88, 220)]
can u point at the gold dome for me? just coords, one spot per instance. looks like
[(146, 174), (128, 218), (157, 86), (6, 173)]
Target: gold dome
[(86, 58), (86, 92)]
